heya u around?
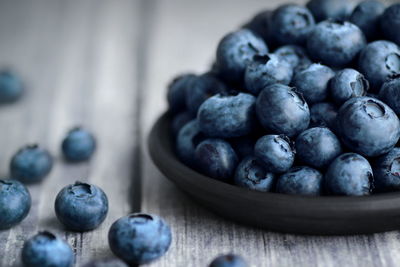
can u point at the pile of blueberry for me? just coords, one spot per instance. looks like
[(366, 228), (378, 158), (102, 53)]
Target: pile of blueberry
[(300, 100)]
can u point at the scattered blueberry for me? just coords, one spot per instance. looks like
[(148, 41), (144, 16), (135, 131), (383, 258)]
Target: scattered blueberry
[(47, 250), (251, 173), (15, 203), (330, 9), (11, 87), (31, 164), (176, 94), (139, 238), (78, 145), (324, 114), (387, 171), (301, 180), (367, 17), (390, 93), (349, 174), (216, 158), (187, 140), (81, 206), (390, 23), (228, 260)]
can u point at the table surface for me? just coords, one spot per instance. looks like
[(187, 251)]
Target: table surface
[(105, 64)]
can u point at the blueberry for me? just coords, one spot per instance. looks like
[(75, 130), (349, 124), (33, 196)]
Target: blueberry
[(46, 250), (187, 140), (387, 171), (335, 43), (201, 88), (390, 23), (15, 203), (31, 164), (266, 70), (216, 159), (179, 120), (346, 84), (176, 93), (366, 16), (330, 9), (236, 50), (295, 55), (11, 87), (243, 146), (301, 180), (390, 93), (251, 173), (276, 152), (260, 24), (106, 263), (317, 147), (378, 61), (324, 114), (368, 126), (281, 110), (78, 145), (349, 174), (313, 82), (81, 206), (228, 260), (139, 238), (227, 115)]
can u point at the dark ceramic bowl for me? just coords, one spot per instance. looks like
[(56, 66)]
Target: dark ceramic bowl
[(326, 215)]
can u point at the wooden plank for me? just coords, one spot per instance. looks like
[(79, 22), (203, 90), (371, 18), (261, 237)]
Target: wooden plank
[(184, 39)]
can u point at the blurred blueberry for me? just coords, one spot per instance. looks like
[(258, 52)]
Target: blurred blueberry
[(390, 93), (139, 238), (187, 140), (346, 84), (261, 24), (276, 152), (47, 250), (378, 61), (31, 164), (324, 114), (179, 120), (15, 203), (78, 145), (366, 16), (281, 110), (291, 24), (216, 159), (301, 180), (228, 260), (387, 171), (330, 9), (335, 43), (368, 126), (390, 23), (11, 87), (252, 174), (313, 82), (266, 70), (236, 50), (176, 93), (227, 115), (349, 174), (295, 55), (317, 147), (81, 206)]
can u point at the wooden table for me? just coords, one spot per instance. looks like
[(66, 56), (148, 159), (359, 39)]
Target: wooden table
[(105, 65)]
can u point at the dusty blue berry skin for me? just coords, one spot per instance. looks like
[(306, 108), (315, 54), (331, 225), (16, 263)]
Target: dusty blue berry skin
[(335, 43), (346, 84), (390, 23), (81, 206), (78, 145), (201, 88), (236, 50), (260, 24), (368, 126), (330, 9), (378, 61), (350, 174), (31, 164), (15, 203), (227, 115), (291, 24), (179, 120), (252, 174), (387, 171), (300, 180), (295, 55), (229, 260), (47, 250), (11, 87), (139, 238), (216, 159), (313, 82), (276, 153), (281, 110), (324, 114), (176, 94), (266, 70), (390, 93), (366, 16), (317, 147), (187, 140)]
